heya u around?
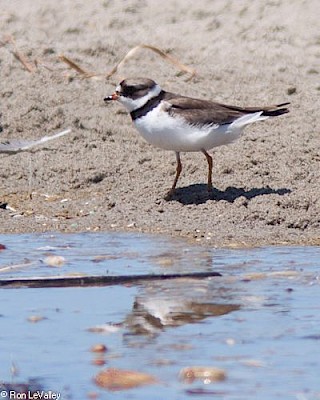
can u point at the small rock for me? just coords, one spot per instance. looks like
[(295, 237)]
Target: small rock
[(230, 342), (93, 395), (205, 374), (291, 90), (36, 318), (118, 379), (99, 348), (165, 261), (98, 362), (107, 328), (54, 261)]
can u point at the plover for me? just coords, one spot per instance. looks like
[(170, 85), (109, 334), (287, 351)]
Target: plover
[(184, 124)]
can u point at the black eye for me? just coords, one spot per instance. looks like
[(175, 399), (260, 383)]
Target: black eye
[(135, 91), (129, 90)]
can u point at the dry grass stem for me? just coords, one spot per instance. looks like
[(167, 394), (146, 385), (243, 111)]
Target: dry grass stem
[(22, 58), (9, 42), (87, 74), (183, 68), (24, 61), (80, 70)]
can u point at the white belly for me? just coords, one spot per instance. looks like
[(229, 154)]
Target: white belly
[(166, 132)]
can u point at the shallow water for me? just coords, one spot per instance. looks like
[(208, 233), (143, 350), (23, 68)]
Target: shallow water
[(259, 322)]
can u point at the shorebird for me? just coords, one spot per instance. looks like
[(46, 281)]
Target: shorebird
[(184, 124)]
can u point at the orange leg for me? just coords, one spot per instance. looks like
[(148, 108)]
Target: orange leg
[(178, 172), (209, 160)]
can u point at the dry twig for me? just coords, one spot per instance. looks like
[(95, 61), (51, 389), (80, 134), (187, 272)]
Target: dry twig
[(104, 280)]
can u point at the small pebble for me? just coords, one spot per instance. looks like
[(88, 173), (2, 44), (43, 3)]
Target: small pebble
[(291, 90), (107, 328), (99, 348), (54, 261), (230, 342), (93, 395), (35, 318), (205, 374), (98, 362), (118, 379)]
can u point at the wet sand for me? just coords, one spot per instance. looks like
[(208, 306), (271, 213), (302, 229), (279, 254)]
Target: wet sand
[(103, 176)]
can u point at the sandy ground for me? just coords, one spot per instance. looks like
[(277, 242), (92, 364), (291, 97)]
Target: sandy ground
[(103, 176)]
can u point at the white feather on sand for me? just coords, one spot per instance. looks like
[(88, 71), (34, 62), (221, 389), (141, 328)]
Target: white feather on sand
[(14, 146)]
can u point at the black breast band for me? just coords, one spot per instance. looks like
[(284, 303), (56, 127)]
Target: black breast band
[(150, 105)]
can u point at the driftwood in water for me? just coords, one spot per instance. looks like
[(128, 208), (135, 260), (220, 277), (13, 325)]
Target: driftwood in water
[(70, 281)]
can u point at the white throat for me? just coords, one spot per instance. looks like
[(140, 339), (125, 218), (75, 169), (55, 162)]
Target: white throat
[(134, 104)]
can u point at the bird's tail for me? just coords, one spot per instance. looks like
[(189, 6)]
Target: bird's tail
[(274, 111), (268, 111)]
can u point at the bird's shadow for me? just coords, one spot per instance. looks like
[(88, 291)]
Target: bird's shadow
[(199, 194)]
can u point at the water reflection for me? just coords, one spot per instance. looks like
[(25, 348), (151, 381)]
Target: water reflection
[(259, 322), (175, 303)]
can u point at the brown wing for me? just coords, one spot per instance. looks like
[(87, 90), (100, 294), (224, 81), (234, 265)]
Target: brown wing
[(197, 111)]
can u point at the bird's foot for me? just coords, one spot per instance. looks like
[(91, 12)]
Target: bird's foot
[(170, 194)]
